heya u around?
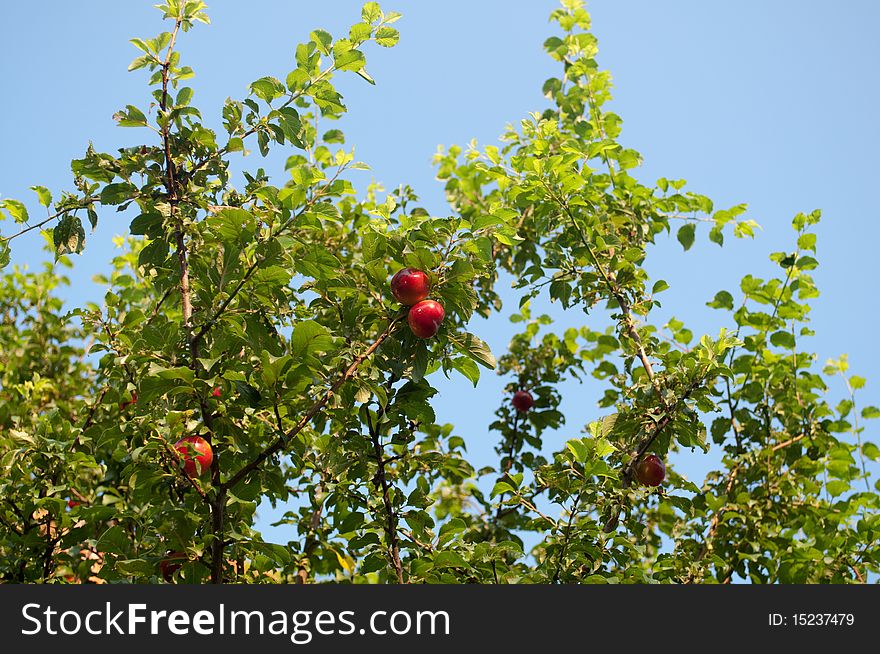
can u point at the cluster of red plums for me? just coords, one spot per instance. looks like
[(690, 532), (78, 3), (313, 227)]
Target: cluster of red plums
[(410, 286)]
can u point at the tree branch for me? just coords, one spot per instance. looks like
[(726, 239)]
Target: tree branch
[(613, 516), (85, 202), (206, 327), (381, 480), (311, 543), (284, 439), (571, 517)]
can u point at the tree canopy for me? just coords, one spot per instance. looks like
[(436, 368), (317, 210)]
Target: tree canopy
[(260, 319)]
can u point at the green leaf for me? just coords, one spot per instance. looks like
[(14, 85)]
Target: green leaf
[(322, 40), (140, 62), (371, 12), (113, 541), (722, 300), (184, 96), (142, 45), (352, 60), (291, 125), (327, 98), (359, 33), (68, 237), (248, 393), (267, 88), (333, 136), (44, 195), (421, 359), (686, 234), (580, 451), (783, 339), (475, 348), (387, 36), (118, 193), (449, 530), (310, 337), (837, 487), (16, 209), (807, 242), (180, 373), (659, 287), (449, 559), (603, 448), (468, 368), (134, 567), (131, 117), (500, 488)]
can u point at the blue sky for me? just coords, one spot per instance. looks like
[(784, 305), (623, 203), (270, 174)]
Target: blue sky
[(769, 103)]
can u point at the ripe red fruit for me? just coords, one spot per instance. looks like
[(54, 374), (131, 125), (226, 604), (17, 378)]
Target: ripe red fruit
[(523, 401), (73, 503), (410, 286), (217, 392), (196, 454), (171, 564), (651, 471), (424, 318)]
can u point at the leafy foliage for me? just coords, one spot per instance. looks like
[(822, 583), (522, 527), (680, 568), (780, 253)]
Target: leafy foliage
[(260, 319)]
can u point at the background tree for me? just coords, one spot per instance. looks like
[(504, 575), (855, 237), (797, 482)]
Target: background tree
[(258, 323)]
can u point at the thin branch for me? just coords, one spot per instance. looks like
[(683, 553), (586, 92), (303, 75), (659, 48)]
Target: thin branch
[(171, 187), (858, 573), (381, 480), (534, 509), (714, 523), (508, 464), (155, 312), (253, 130), (284, 439), (571, 516), (209, 324), (311, 543), (629, 326), (10, 526), (612, 518), (47, 220), (409, 535), (790, 441)]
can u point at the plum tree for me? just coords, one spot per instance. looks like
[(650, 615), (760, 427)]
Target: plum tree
[(274, 297)]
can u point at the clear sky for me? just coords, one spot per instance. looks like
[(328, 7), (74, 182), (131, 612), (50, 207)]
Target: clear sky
[(773, 103)]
